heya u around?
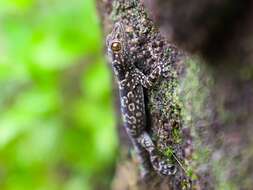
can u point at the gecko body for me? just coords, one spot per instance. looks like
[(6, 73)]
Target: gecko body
[(131, 82)]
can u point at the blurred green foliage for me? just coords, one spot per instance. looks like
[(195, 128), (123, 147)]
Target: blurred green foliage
[(57, 126)]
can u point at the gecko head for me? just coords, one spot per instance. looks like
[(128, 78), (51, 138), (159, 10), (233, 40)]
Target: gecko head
[(115, 41)]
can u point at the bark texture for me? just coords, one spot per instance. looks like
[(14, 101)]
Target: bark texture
[(214, 29), (200, 114), (220, 102)]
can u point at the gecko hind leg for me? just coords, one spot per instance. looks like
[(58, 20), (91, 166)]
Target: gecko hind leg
[(143, 157), (158, 163)]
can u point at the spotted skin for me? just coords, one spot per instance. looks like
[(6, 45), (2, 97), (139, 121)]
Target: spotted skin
[(130, 83)]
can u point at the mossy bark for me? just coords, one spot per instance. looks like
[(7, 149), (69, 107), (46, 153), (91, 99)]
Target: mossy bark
[(199, 115)]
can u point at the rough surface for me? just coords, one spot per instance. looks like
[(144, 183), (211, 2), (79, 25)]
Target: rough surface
[(217, 95), (213, 29)]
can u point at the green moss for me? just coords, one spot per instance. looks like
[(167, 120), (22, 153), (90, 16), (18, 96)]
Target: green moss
[(169, 153), (202, 154), (177, 135), (185, 184), (191, 174), (170, 101), (219, 170), (246, 72), (194, 102)]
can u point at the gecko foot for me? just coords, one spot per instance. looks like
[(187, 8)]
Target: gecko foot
[(164, 168), (159, 164)]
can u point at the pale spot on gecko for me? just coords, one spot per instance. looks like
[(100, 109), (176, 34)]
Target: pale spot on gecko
[(131, 107)]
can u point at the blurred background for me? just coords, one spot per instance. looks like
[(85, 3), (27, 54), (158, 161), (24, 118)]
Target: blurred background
[(57, 124)]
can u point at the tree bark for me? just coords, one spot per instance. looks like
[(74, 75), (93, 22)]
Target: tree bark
[(199, 114)]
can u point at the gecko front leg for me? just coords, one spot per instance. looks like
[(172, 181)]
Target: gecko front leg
[(148, 81)]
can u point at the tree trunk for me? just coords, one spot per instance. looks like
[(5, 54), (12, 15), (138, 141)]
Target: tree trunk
[(199, 113)]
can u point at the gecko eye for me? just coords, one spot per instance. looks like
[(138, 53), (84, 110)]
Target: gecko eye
[(116, 46)]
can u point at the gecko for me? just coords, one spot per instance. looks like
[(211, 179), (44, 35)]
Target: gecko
[(131, 83)]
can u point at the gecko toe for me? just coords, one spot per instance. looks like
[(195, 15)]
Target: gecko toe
[(167, 169), (170, 170)]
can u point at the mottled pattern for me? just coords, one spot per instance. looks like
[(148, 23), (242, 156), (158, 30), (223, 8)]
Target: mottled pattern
[(130, 83)]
